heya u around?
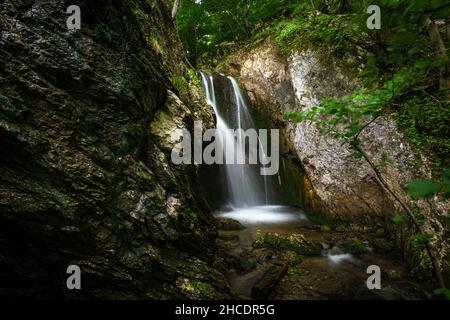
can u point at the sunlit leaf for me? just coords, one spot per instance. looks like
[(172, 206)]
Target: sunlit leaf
[(422, 188)]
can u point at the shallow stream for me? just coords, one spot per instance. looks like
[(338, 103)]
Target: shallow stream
[(335, 274)]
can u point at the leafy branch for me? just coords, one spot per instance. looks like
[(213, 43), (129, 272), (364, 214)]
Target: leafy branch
[(345, 119)]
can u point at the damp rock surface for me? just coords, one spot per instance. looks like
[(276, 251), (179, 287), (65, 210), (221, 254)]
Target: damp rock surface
[(297, 260), (336, 184), (87, 123)]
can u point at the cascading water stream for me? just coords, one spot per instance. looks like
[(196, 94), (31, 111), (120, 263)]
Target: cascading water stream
[(245, 199), (246, 187), (247, 192), (243, 109)]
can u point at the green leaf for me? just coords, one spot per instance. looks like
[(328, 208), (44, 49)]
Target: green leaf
[(398, 218), (422, 188), (419, 240), (446, 183), (413, 51), (442, 292), (357, 155)]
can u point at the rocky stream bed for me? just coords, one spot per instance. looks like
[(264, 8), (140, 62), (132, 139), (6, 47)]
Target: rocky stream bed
[(276, 252)]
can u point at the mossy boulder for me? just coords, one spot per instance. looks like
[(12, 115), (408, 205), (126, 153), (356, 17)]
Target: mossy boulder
[(228, 224), (355, 246), (197, 289), (294, 242), (228, 235), (292, 258)]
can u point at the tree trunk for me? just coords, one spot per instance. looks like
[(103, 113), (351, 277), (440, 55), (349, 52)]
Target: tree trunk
[(176, 5), (441, 52)]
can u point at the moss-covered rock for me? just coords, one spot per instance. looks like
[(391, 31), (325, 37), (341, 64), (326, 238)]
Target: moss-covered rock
[(197, 289), (228, 235), (292, 258), (294, 242), (355, 246), (228, 224)]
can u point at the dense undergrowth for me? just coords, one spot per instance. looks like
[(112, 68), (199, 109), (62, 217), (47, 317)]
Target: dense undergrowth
[(399, 72), (403, 68), (399, 66)]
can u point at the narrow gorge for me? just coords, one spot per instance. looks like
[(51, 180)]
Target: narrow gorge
[(340, 132)]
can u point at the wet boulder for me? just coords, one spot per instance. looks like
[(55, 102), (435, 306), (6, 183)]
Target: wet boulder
[(228, 224), (228, 235), (355, 246), (294, 242)]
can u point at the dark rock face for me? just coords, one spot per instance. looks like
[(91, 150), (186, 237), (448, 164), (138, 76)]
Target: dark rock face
[(86, 177)]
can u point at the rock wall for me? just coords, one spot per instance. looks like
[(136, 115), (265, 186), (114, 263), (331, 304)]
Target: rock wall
[(337, 184), (86, 129)]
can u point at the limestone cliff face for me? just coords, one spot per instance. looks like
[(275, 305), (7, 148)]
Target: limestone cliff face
[(86, 123), (337, 184)]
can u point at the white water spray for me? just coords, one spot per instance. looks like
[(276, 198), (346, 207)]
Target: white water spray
[(245, 186)]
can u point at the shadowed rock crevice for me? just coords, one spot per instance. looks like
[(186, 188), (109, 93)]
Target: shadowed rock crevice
[(86, 176)]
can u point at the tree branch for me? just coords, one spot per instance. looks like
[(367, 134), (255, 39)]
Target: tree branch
[(440, 278)]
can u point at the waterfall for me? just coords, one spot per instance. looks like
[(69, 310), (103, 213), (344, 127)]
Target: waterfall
[(246, 188)]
